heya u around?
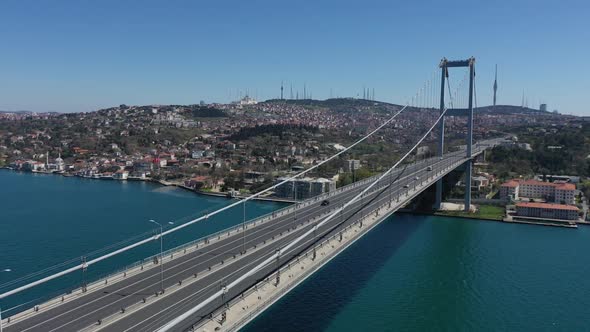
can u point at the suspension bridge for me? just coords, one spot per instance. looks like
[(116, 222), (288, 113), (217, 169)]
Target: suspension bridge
[(222, 281)]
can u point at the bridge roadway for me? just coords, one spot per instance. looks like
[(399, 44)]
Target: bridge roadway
[(261, 241)]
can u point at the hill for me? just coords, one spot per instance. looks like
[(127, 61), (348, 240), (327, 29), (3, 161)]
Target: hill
[(338, 104), (509, 109)]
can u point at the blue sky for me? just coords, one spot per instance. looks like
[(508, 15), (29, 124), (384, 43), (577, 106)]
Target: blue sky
[(83, 55)]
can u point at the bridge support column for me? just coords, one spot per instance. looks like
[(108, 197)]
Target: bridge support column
[(441, 134), (438, 199), (467, 185), (469, 139), (468, 112)]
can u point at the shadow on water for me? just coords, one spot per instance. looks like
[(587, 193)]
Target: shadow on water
[(308, 300)]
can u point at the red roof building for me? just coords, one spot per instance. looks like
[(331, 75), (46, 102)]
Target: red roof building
[(547, 211)]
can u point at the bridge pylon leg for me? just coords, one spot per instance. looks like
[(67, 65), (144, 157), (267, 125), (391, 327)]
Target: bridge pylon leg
[(444, 66), (441, 134), (438, 199), (467, 185)]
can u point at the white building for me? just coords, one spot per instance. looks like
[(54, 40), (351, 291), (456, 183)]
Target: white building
[(247, 100), (509, 190), (121, 175), (304, 188), (554, 192), (353, 165), (551, 192)]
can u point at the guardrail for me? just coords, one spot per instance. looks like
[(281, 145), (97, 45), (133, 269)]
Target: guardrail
[(258, 220), (448, 165)]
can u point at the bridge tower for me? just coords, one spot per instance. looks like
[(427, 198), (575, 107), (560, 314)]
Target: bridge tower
[(468, 112)]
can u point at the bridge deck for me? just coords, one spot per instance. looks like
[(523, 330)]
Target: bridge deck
[(219, 262)]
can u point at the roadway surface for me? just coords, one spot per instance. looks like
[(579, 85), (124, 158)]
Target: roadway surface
[(260, 241)]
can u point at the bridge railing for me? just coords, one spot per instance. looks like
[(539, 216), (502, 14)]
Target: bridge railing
[(98, 280), (447, 164), (149, 261), (260, 219)]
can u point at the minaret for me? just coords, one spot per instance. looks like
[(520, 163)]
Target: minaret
[(281, 90), (495, 85), (304, 92)]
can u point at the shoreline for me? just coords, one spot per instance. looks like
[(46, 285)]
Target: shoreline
[(159, 182), (437, 214), (221, 194), (281, 200)]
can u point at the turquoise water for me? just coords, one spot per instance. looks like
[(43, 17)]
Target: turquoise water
[(411, 273), (48, 219), (422, 273)]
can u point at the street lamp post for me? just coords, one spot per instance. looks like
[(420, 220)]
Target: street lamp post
[(161, 255), (244, 228)]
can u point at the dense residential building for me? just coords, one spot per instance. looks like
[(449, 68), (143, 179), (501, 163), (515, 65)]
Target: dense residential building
[(254, 177), (176, 143), (547, 211), (509, 190), (479, 182), (352, 165)]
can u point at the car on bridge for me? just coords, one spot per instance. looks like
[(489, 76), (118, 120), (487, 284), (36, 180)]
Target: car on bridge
[(325, 203), (429, 168)]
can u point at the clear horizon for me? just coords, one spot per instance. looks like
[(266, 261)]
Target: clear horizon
[(69, 56)]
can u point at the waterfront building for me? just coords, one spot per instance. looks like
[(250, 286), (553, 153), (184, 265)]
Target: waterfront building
[(57, 166), (199, 182), (547, 211), (143, 166), (557, 192), (59, 162), (33, 166), (121, 175)]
